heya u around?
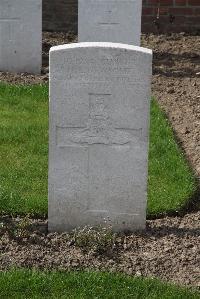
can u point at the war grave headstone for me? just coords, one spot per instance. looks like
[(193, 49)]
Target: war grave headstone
[(98, 139), (21, 36), (110, 21)]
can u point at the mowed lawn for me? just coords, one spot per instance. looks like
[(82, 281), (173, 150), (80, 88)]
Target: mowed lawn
[(24, 156), (82, 285)]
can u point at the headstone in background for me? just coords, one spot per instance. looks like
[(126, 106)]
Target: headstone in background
[(21, 36), (117, 21), (99, 123)]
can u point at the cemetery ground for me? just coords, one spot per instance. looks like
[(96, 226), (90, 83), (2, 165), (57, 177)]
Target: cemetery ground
[(168, 249)]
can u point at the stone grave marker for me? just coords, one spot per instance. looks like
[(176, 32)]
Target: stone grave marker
[(117, 21), (21, 36), (98, 146)]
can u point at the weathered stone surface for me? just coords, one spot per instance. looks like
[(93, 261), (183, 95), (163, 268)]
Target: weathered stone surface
[(98, 147), (116, 21), (20, 35)]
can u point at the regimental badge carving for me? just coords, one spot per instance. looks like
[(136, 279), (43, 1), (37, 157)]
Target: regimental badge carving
[(99, 128)]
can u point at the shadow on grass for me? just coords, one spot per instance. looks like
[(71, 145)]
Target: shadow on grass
[(192, 204)]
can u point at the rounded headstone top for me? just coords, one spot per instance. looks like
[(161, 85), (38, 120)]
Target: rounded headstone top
[(101, 45)]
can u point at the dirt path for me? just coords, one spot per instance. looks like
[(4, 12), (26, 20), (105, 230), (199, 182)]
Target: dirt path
[(176, 86)]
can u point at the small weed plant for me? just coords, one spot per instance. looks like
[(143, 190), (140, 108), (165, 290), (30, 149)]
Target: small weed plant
[(98, 239)]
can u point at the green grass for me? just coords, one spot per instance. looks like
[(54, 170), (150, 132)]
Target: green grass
[(24, 156), (23, 149), (34, 284), (171, 181)]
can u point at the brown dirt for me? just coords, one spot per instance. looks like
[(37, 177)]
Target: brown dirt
[(176, 86), (169, 249)]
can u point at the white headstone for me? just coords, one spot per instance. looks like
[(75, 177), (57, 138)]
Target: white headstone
[(117, 21), (20, 36), (98, 147)]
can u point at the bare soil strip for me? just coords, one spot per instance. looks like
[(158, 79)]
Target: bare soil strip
[(169, 249)]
